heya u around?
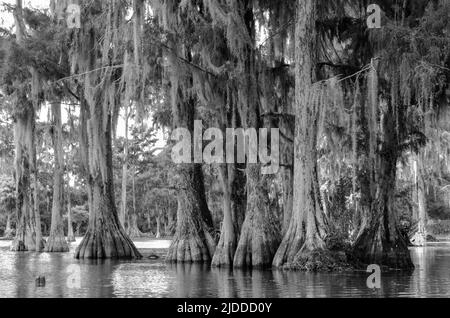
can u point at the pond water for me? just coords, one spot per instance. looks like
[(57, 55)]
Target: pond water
[(148, 278)]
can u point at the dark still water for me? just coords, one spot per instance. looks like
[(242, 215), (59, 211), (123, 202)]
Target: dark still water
[(67, 277)]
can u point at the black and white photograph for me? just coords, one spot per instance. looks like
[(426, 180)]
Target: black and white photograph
[(223, 154)]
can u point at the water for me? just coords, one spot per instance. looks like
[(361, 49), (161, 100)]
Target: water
[(147, 278)]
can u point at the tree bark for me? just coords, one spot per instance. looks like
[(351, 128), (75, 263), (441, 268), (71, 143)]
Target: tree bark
[(8, 230), (28, 235), (25, 239), (194, 240), (56, 242), (149, 222), (234, 202), (288, 197), (40, 243), (260, 234), (381, 242), (123, 206), (420, 237), (105, 237), (70, 234), (227, 245), (133, 229), (303, 246), (158, 226), (84, 146)]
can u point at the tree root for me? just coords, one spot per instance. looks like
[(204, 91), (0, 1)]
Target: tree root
[(371, 248), (192, 249), (107, 244), (224, 255), (26, 242), (56, 244), (257, 245)]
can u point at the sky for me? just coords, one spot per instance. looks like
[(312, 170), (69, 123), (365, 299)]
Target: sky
[(7, 21)]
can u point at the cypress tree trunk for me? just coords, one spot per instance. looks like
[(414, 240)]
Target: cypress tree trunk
[(149, 222), (28, 233), (8, 235), (56, 241), (70, 234), (84, 146), (194, 240), (420, 237), (133, 229), (238, 198), (288, 196), (303, 246), (25, 239), (227, 245), (123, 205), (234, 204), (260, 234), (158, 226), (40, 243), (381, 242), (105, 237)]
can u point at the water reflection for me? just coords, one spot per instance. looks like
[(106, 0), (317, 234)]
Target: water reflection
[(148, 278), (141, 280)]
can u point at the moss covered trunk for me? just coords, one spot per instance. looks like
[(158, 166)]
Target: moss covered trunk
[(288, 197), (133, 228), (105, 237), (226, 247), (303, 246), (261, 233), (56, 241), (9, 235), (25, 238), (84, 147), (123, 203), (233, 181), (420, 237), (194, 240), (158, 226), (380, 241), (70, 233), (28, 232)]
